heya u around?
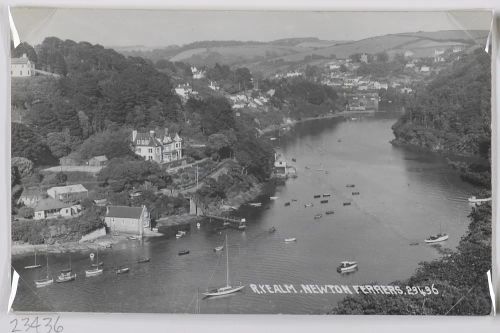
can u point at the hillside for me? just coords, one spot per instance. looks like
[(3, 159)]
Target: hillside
[(306, 50)]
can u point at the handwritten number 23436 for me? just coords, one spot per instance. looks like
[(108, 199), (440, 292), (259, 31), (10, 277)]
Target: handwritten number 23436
[(36, 324)]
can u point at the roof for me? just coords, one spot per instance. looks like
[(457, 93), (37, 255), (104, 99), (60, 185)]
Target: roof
[(49, 203), (124, 212), (31, 192), (19, 61), (145, 136), (101, 158), (77, 188)]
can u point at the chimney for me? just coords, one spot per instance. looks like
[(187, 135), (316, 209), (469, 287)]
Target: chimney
[(152, 133), (24, 55), (134, 135)]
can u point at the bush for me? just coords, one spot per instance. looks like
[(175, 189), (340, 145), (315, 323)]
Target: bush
[(26, 212)]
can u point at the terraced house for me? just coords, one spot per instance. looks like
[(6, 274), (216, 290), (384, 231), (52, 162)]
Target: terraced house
[(159, 148)]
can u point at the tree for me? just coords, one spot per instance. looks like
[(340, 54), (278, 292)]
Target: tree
[(25, 48), (24, 166), (216, 115), (26, 212), (61, 177), (26, 143), (59, 143)]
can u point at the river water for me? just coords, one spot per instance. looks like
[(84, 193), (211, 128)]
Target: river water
[(405, 196)]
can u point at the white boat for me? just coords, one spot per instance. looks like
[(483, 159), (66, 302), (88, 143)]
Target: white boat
[(273, 198), (44, 282), (93, 272), (219, 248), (308, 205), (289, 240), (272, 139), (438, 238), (96, 269), (35, 265), (132, 237), (255, 204), (180, 234), (227, 289), (47, 281), (347, 266), (66, 276), (122, 270)]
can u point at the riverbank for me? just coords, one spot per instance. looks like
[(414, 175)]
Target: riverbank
[(108, 241), (290, 122)]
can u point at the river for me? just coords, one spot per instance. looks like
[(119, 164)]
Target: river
[(405, 196)]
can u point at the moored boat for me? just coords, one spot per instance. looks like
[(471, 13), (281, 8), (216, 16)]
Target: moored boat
[(46, 281), (66, 276), (326, 195), (143, 260), (308, 205), (324, 201), (133, 237), (316, 196), (350, 185), (227, 289), (287, 204), (318, 216), (99, 264), (289, 240), (274, 198), (183, 252), (347, 266), (35, 265), (180, 234), (255, 204), (355, 193), (346, 204), (329, 212), (438, 238), (218, 248), (93, 272), (122, 270)]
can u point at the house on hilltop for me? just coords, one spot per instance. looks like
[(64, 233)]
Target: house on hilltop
[(129, 220), (22, 67), (153, 147)]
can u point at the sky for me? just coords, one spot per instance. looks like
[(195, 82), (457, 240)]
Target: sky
[(159, 28)]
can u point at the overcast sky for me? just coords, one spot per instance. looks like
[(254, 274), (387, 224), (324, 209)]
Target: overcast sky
[(161, 28)]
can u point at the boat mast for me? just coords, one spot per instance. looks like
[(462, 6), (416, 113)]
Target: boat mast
[(47, 256), (35, 257), (227, 264)]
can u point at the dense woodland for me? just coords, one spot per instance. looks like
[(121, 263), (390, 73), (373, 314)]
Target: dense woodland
[(453, 112)]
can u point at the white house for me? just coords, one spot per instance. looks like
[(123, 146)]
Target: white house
[(153, 147), (22, 67), (52, 208), (197, 73), (129, 220)]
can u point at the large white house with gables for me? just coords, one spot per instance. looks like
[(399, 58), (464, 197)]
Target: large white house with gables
[(159, 148)]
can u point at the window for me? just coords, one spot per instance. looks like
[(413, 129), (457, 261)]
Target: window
[(150, 150)]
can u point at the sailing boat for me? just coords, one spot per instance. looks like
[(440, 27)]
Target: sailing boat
[(45, 282), (33, 266), (227, 289), (441, 237), (97, 270), (65, 274)]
